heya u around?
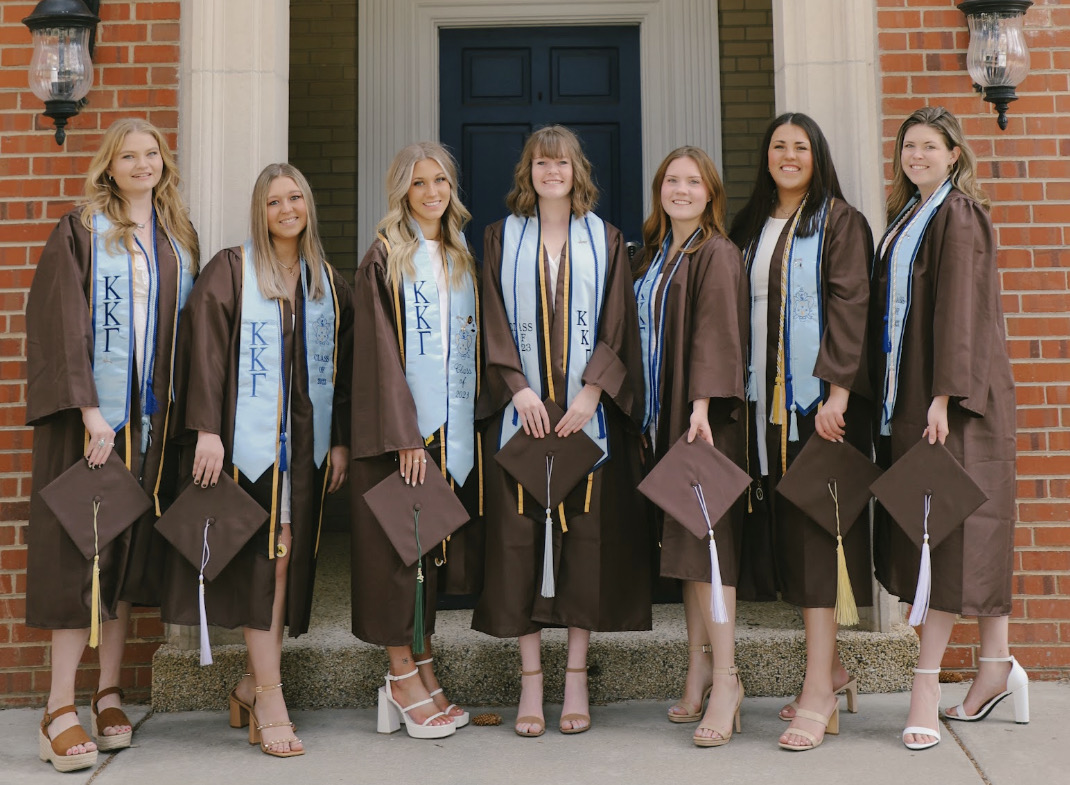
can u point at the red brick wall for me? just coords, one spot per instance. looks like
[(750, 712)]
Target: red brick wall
[(136, 73), (1026, 172)]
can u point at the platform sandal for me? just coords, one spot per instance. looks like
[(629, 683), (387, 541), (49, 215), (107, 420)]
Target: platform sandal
[(460, 720), (110, 718), (54, 750), (392, 716)]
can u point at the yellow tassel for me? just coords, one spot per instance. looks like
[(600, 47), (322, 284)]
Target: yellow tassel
[(519, 499), (590, 487), (561, 512), (479, 465), (777, 407), (94, 611), (846, 609)]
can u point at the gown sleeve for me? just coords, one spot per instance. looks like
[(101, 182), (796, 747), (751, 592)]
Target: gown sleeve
[(341, 416)]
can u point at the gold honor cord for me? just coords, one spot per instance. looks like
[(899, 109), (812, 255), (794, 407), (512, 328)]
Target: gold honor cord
[(779, 405)]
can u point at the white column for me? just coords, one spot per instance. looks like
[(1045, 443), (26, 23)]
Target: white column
[(234, 108), (825, 60)]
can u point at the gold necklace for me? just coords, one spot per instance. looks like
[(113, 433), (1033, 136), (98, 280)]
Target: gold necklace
[(292, 269)]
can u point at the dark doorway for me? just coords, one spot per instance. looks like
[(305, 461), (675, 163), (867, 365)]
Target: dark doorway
[(498, 84)]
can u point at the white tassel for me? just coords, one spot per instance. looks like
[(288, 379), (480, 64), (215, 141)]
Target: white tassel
[(718, 609), (920, 608), (548, 589), (793, 429), (206, 554)]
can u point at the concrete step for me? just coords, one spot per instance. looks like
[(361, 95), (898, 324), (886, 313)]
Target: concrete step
[(329, 668)]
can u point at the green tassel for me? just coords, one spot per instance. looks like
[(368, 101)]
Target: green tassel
[(418, 613)]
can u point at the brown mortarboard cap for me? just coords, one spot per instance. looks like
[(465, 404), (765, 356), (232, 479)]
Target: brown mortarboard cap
[(822, 468), (528, 460), (928, 470), (398, 506), (72, 495), (672, 484), (209, 526)]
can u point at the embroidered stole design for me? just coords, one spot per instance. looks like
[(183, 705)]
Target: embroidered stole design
[(901, 256), (443, 388), (529, 307)]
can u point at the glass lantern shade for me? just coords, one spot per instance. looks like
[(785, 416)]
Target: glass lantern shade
[(997, 55), (61, 68)]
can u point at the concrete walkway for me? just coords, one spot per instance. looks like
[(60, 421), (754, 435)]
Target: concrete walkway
[(630, 743)]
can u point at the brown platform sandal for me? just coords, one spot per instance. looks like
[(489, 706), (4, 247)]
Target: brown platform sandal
[(695, 715), (54, 750), (574, 717), (530, 719), (110, 718), (255, 727), (239, 709), (722, 739)]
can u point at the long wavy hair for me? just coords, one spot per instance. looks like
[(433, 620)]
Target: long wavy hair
[(963, 171), (657, 225), (102, 195), (824, 184), (397, 226), (269, 274), (552, 141)]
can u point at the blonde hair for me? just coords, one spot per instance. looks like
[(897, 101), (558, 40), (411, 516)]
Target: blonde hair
[(102, 195), (552, 141), (963, 171), (711, 222), (269, 275), (397, 226)]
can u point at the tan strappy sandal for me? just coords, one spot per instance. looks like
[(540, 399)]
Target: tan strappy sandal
[(530, 719), (575, 717), (696, 714), (255, 727), (239, 709), (54, 750), (831, 723), (850, 689), (722, 738), (110, 718)]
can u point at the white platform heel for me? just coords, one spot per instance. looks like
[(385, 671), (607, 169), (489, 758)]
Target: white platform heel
[(1017, 685), (391, 714)]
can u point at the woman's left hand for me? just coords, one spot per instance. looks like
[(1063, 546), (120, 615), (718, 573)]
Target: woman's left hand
[(580, 411), (339, 467), (700, 422), (829, 422), (937, 429)]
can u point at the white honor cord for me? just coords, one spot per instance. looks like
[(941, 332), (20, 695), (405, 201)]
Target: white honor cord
[(717, 605)]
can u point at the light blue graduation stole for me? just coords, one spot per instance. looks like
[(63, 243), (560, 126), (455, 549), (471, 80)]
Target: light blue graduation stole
[(261, 392), (901, 258), (443, 388), (529, 307), (114, 342)]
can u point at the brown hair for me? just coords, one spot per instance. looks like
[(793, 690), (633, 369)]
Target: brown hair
[(552, 141)]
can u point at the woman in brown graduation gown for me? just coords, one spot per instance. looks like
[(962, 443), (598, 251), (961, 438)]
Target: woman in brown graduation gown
[(415, 386), (692, 298), (134, 230), (797, 215), (952, 383), (281, 429), (601, 546)]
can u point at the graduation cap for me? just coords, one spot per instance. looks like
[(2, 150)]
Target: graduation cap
[(209, 526), (416, 518), (829, 482), (696, 484), (549, 468), (94, 506), (928, 494)]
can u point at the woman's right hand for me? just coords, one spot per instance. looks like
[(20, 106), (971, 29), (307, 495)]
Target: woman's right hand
[(413, 465), (532, 413), (101, 436), (207, 459)]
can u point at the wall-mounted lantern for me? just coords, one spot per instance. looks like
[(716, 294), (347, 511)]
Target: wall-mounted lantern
[(997, 59), (61, 71)]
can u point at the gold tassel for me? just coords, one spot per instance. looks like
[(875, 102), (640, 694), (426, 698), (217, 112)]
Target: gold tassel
[(519, 499), (590, 486), (479, 465), (94, 612), (777, 407), (846, 608), (561, 512)]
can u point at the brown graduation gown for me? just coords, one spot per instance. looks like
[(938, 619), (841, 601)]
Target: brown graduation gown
[(602, 564), (954, 344), (805, 553), (205, 373), (384, 421), (704, 345), (59, 370)]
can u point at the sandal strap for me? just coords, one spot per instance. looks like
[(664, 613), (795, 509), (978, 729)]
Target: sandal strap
[(428, 661), (793, 731), (267, 725), (430, 719), (266, 687), (111, 718), (531, 673), (49, 716), (391, 677), (72, 737), (806, 714), (105, 693), (731, 670), (705, 648), (927, 671), (996, 659), (269, 744), (576, 670), (417, 705), (433, 693)]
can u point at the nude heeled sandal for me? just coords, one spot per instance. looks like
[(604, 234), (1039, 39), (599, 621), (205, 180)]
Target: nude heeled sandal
[(1017, 685), (110, 718), (917, 730), (575, 717), (831, 723), (460, 720), (850, 689), (696, 715), (255, 726), (392, 716), (54, 750), (530, 719), (722, 738)]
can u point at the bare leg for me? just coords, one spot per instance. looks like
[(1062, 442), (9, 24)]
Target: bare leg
[(719, 716), (112, 644), (925, 694), (699, 662), (840, 677), (576, 698), (265, 656), (67, 648), (412, 690), (530, 686), (430, 680), (817, 694), (991, 677)]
